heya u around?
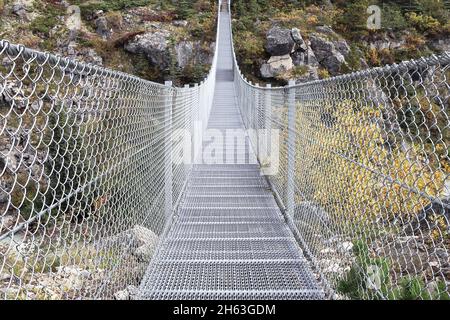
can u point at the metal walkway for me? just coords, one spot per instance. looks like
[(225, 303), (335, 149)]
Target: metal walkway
[(229, 239)]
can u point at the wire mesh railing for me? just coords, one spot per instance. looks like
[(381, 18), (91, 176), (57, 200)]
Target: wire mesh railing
[(364, 175), (87, 181)]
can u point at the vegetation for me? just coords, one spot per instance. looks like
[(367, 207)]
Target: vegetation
[(48, 19), (369, 278), (418, 24)]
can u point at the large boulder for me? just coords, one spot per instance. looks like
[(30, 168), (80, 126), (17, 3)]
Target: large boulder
[(184, 52), (327, 54), (277, 65), (279, 42), (155, 45), (146, 241), (298, 40), (307, 57)]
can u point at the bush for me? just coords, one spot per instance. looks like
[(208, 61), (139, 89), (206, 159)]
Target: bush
[(323, 73), (424, 23), (299, 71), (368, 278), (392, 18), (50, 16)]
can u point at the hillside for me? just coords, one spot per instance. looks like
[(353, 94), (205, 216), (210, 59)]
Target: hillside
[(153, 39), (306, 40)]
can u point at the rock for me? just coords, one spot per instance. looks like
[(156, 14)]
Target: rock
[(184, 51), (307, 57), (145, 252), (3, 195), (326, 30), (20, 10), (155, 45), (327, 54), (276, 66), (180, 23), (146, 241), (4, 277), (12, 95), (102, 27), (89, 55), (441, 45), (441, 207), (279, 42), (133, 291), (7, 62), (7, 222), (298, 39), (71, 48), (309, 211), (122, 295), (345, 247), (343, 47), (143, 235), (127, 294)]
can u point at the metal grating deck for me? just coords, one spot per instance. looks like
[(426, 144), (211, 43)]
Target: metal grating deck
[(229, 239)]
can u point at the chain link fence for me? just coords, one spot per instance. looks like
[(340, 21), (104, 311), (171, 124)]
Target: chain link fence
[(364, 175), (87, 177)]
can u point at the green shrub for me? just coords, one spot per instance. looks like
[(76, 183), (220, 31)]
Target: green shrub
[(424, 23), (356, 285), (393, 18), (112, 5), (299, 71)]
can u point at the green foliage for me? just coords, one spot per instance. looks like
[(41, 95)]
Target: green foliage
[(353, 60), (87, 7), (393, 18), (299, 71), (184, 9), (357, 285), (424, 22), (353, 21), (49, 18), (435, 9), (323, 73)]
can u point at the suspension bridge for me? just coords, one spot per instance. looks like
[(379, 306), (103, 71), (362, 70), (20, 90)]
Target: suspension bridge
[(355, 205)]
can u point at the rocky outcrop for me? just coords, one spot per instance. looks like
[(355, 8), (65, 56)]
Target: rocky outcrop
[(146, 243), (279, 42), (184, 53), (102, 27), (328, 54), (276, 66), (155, 45), (300, 44), (23, 9)]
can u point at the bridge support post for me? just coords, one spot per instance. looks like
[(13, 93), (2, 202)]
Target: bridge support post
[(291, 149), (266, 115), (168, 174), (257, 118)]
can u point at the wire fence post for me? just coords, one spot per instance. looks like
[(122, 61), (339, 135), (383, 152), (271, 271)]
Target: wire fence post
[(266, 114), (290, 192), (168, 149)]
